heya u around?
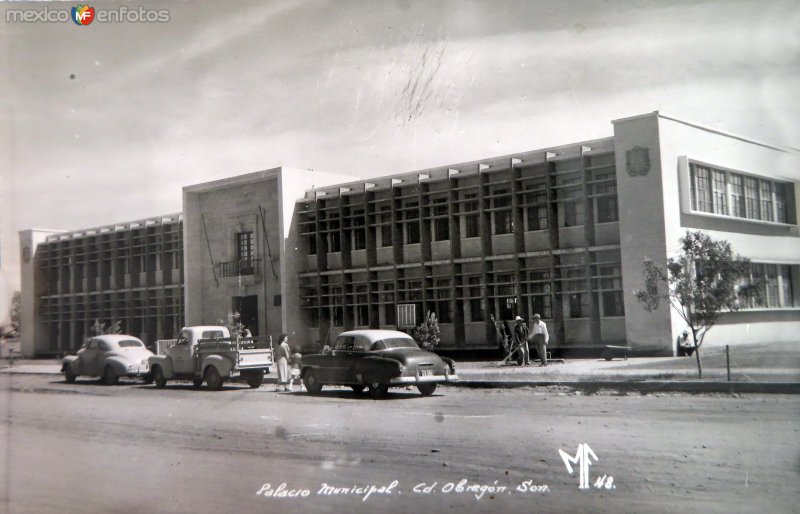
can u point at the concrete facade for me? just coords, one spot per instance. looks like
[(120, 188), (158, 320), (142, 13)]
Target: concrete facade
[(559, 231), (127, 272), (656, 210), (257, 279)]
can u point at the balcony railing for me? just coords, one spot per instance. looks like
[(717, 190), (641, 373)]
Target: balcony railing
[(238, 268)]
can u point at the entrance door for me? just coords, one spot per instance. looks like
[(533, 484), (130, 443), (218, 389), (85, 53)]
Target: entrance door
[(247, 307)]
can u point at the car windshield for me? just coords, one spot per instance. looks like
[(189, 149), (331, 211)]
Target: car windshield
[(130, 343), (394, 342), (213, 334)]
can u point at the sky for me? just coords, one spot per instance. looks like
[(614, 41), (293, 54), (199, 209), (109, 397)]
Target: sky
[(107, 122)]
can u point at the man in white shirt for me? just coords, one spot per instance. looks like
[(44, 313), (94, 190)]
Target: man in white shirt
[(539, 337)]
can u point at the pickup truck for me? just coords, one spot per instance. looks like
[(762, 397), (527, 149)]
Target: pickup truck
[(210, 353)]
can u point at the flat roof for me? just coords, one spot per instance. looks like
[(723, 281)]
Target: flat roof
[(706, 128)]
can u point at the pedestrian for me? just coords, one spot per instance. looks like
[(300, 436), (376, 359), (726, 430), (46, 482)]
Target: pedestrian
[(521, 341), (684, 344), (246, 331), (282, 361), (295, 363), (540, 337)]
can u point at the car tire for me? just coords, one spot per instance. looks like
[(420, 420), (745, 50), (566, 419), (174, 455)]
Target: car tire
[(427, 388), (313, 385), (213, 379), (148, 378), (110, 377), (197, 382), (254, 379), (378, 390), (358, 388), (69, 377), (158, 378)]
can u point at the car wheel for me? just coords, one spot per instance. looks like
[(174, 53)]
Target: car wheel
[(148, 378), (378, 390), (109, 376), (158, 377), (255, 379), (197, 382), (313, 385), (213, 379), (358, 388), (427, 389), (69, 377)]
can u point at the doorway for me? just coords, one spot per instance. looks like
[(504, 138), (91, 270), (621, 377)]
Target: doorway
[(247, 307)]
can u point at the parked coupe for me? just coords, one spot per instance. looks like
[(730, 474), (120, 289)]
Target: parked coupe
[(110, 357), (378, 360)]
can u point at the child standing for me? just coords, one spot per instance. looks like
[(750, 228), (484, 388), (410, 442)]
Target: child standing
[(295, 362)]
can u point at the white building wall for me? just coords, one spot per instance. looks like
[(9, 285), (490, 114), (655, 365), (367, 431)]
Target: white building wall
[(655, 211), (31, 332)]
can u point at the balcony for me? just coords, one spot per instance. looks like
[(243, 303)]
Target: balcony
[(239, 268)]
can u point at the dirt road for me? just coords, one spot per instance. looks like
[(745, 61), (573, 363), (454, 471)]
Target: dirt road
[(132, 448)]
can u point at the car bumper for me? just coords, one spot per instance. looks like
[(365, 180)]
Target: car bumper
[(137, 371), (417, 379)]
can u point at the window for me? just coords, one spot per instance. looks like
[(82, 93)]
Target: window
[(751, 198), (720, 193), (780, 203), (540, 293), (472, 217), (575, 283), (441, 223), (312, 244), (766, 200), (412, 225), (503, 221), (386, 226), (572, 204), (701, 189), (359, 237), (338, 311), (773, 290), (787, 294), (774, 286), (475, 299), (244, 247), (611, 284), (442, 294), (334, 237), (536, 199), (607, 209), (737, 196), (507, 296), (388, 307), (727, 193), (573, 213)]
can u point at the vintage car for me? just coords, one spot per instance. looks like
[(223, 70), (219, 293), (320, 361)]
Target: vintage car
[(110, 357), (377, 359)]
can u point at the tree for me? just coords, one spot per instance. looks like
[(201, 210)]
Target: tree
[(16, 310), (702, 281), (99, 329), (427, 333)]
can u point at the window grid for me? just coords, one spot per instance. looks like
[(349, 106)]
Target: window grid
[(732, 194)]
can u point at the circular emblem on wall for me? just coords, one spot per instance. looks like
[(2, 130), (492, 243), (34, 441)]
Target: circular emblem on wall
[(637, 161), (26, 254)]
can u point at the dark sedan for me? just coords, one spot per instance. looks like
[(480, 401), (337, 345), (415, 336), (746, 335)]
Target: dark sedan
[(378, 360)]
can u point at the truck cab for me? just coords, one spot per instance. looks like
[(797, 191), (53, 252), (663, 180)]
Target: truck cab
[(210, 354)]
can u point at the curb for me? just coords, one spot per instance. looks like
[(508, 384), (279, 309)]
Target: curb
[(643, 387), (586, 386)]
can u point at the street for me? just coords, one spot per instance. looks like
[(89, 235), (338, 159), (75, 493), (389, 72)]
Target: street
[(86, 447)]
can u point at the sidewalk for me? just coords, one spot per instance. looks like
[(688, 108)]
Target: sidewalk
[(754, 368)]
